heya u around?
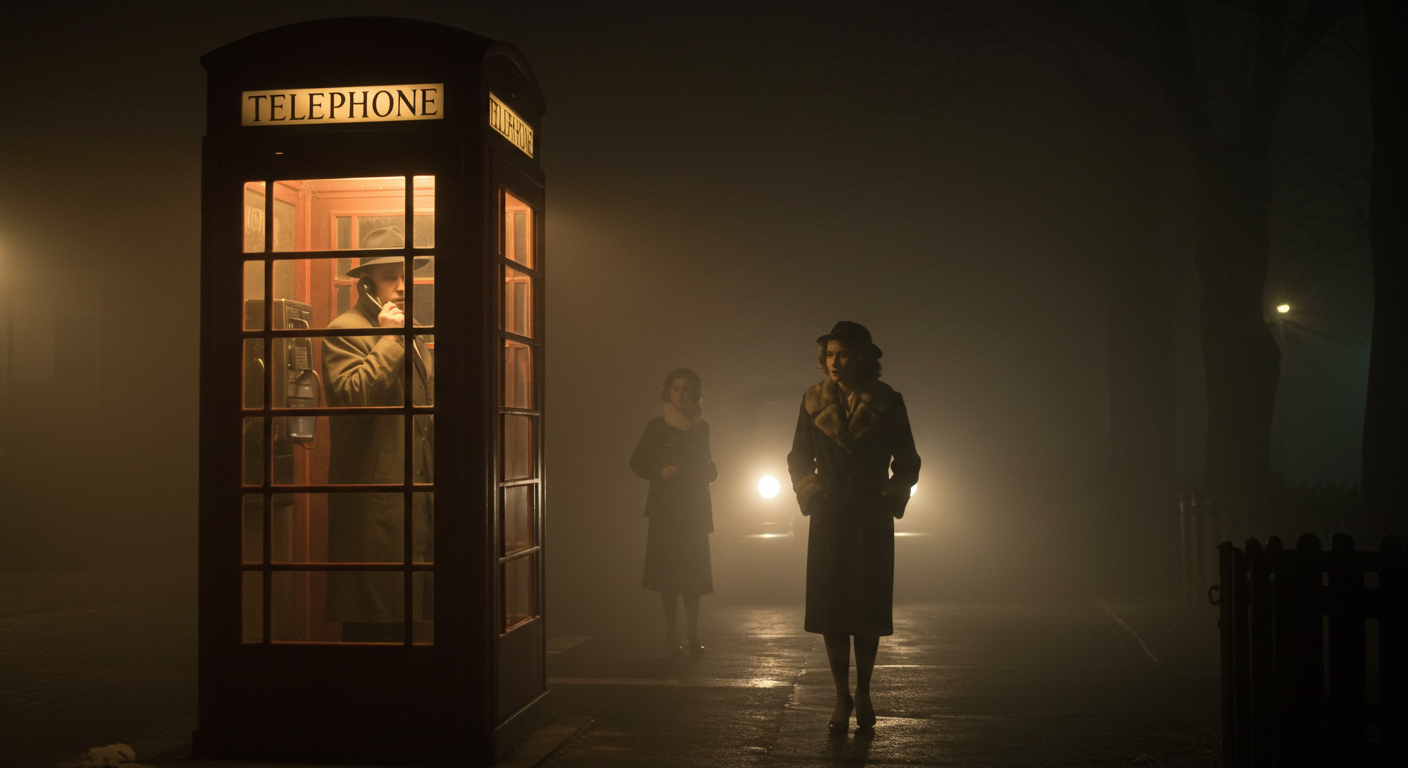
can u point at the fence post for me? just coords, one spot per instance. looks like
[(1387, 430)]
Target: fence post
[(1310, 666), (1232, 618), (1393, 640), (1345, 606), (1260, 612), (1298, 651)]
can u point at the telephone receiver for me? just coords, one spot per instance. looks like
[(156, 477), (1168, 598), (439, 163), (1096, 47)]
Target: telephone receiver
[(368, 288)]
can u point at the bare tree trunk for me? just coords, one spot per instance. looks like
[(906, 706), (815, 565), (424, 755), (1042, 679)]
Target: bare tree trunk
[(1242, 359), (1240, 355), (1383, 474)]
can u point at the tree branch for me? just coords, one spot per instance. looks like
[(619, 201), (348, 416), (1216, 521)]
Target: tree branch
[(1311, 29), (1176, 68)]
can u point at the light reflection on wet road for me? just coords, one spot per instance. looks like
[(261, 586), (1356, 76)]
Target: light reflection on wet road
[(965, 685)]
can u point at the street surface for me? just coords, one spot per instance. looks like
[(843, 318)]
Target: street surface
[(88, 660)]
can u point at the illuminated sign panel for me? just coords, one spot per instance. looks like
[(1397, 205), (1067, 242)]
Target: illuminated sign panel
[(508, 123), (348, 104)]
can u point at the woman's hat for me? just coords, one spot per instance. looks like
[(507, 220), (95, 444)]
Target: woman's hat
[(852, 335)]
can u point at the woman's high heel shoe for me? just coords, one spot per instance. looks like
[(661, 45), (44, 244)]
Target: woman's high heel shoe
[(865, 718), (843, 725)]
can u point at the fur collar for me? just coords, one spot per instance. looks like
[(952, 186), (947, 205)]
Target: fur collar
[(823, 403), (682, 419)]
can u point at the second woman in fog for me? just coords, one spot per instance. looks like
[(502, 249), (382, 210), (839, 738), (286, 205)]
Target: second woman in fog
[(673, 455)]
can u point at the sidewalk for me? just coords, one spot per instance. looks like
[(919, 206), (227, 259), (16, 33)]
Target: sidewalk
[(86, 661)]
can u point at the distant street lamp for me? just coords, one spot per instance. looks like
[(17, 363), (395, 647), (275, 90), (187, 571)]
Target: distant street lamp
[(768, 487), (1283, 308)]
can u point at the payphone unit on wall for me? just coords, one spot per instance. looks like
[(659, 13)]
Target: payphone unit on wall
[(371, 469)]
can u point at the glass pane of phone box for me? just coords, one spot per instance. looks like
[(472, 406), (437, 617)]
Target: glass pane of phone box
[(518, 585), (517, 303), (338, 607), (252, 453), (517, 524), (518, 375), (517, 458), (338, 528), (518, 232)]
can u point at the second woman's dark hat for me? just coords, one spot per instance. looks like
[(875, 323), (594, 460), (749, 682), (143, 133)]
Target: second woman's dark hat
[(851, 334)]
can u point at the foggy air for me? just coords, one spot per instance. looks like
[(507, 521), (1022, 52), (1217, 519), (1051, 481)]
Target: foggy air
[(1003, 196)]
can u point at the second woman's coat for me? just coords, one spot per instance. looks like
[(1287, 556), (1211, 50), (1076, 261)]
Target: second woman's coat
[(680, 511), (852, 474)]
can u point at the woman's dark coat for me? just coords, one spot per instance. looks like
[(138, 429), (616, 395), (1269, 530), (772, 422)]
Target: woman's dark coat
[(852, 477), (680, 511)]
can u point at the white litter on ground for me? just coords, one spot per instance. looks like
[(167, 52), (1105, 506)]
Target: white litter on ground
[(111, 756)]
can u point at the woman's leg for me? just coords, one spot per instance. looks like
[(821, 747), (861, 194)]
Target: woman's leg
[(691, 618), (672, 627), (838, 653), (866, 648)]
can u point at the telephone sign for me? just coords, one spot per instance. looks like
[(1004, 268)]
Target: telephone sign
[(510, 125), (355, 104)]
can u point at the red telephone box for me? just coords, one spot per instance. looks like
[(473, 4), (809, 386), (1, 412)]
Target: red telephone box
[(371, 468)]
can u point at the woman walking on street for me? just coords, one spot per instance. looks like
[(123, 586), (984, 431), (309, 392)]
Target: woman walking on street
[(852, 466), (673, 455)]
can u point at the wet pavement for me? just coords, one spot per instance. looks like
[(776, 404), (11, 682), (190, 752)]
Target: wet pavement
[(90, 660)]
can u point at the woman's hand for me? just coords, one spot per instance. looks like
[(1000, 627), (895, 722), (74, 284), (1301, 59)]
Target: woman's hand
[(895, 498), (669, 472)]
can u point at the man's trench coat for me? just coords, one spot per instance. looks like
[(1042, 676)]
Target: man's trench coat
[(369, 527)]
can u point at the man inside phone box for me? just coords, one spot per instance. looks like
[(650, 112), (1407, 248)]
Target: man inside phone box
[(363, 371)]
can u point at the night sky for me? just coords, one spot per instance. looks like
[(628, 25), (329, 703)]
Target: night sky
[(725, 181)]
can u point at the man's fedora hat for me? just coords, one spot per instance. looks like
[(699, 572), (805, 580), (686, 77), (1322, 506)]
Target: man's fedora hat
[(852, 335), (386, 237), (364, 269)]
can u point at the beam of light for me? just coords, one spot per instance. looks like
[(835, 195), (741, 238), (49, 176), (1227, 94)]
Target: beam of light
[(768, 487), (697, 682), (1283, 308), (1131, 631)]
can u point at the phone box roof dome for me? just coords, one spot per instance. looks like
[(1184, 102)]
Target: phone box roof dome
[(364, 51)]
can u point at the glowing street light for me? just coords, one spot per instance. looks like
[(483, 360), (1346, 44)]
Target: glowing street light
[(768, 487), (1283, 308)]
